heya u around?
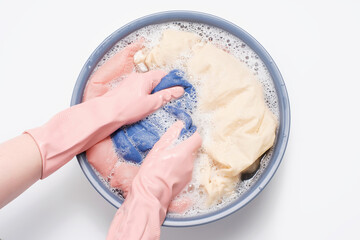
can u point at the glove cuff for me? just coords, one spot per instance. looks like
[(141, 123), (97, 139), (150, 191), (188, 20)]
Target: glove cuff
[(49, 163)]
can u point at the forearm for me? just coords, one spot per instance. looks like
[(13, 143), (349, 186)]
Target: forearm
[(20, 167)]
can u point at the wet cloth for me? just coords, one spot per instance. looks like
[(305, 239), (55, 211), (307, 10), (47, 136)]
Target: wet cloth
[(133, 142)]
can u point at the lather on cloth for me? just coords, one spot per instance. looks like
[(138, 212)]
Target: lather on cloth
[(134, 141)]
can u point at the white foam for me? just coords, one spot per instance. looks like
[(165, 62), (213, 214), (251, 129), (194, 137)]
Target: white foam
[(241, 51)]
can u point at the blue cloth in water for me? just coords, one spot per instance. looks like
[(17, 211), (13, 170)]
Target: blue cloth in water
[(133, 142)]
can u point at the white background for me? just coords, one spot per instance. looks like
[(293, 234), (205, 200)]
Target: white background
[(313, 195)]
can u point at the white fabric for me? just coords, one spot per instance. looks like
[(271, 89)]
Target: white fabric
[(244, 128)]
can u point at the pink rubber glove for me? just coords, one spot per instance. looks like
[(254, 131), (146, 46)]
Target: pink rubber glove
[(120, 64), (164, 173), (76, 129), (123, 175)]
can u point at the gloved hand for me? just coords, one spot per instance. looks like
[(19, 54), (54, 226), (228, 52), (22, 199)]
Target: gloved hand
[(163, 174), (122, 63), (76, 129)]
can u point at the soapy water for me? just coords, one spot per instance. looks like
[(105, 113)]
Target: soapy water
[(233, 46)]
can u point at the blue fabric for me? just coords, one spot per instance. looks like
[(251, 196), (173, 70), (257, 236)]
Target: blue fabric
[(134, 141)]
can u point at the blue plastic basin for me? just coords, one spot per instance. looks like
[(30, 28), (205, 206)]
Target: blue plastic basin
[(283, 100)]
